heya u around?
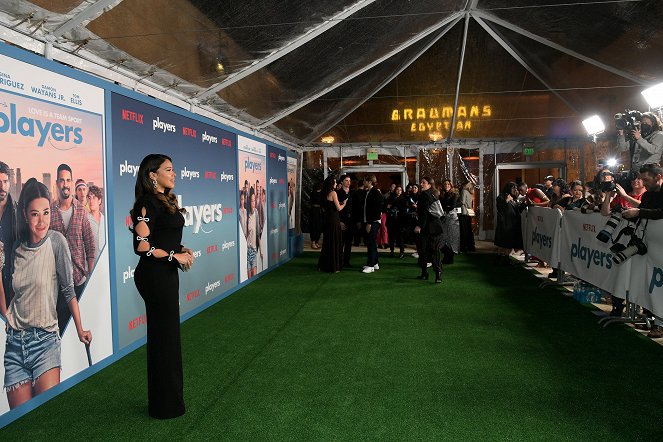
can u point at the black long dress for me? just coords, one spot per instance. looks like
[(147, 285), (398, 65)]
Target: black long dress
[(158, 284), (331, 255)]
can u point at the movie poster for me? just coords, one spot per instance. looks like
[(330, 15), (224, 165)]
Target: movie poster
[(205, 160), (278, 205), (292, 191), (53, 233), (252, 208)]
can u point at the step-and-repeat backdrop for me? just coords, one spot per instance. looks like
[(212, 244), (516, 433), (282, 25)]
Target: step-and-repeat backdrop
[(71, 148)]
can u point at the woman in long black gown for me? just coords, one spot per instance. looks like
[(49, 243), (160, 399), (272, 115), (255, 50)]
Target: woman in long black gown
[(331, 255), (158, 224)]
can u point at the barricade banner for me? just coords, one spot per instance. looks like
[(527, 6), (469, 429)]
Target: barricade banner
[(587, 258), (646, 277), (542, 234)]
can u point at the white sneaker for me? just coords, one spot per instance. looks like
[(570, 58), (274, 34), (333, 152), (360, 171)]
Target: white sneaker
[(376, 267), (429, 264), (415, 255), (368, 269)]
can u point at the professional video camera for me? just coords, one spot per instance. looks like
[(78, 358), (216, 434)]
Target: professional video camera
[(628, 121), (622, 252)]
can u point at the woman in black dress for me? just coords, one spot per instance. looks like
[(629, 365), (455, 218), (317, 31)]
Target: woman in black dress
[(331, 256), (429, 230), (508, 235), (157, 231)]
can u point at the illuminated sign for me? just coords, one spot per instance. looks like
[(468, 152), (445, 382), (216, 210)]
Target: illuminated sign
[(428, 119), (372, 154)]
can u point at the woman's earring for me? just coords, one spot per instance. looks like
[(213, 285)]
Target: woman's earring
[(154, 183)]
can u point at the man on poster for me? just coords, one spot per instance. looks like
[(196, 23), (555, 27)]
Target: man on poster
[(8, 231), (69, 217)]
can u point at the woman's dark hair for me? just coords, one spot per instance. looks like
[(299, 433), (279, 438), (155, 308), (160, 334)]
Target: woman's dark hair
[(32, 190), (144, 185), (431, 181), (506, 190), (328, 185)]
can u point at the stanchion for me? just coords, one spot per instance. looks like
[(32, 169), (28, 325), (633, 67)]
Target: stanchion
[(563, 279), (631, 316)]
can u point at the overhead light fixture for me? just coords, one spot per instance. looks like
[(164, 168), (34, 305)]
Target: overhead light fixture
[(435, 136), (329, 139), (612, 162), (654, 96), (594, 126)]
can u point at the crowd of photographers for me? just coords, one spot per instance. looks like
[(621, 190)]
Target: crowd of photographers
[(634, 196)]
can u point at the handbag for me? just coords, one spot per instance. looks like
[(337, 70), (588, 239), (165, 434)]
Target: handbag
[(435, 209)]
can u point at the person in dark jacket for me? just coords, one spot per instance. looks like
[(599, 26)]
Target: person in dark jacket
[(451, 204), (508, 235), (396, 220), (429, 229), (372, 215), (347, 223), (358, 200)]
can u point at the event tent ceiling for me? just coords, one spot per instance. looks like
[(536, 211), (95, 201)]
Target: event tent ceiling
[(371, 70)]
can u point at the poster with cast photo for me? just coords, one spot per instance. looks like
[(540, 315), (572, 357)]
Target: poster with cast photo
[(54, 247), (205, 161), (277, 201), (252, 208)]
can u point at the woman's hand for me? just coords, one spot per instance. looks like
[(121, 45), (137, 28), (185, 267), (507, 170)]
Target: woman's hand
[(185, 259), (85, 336), (620, 190)]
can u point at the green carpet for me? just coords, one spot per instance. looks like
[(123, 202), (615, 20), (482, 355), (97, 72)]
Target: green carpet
[(301, 355)]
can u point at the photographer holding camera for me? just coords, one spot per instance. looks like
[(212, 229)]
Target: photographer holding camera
[(640, 135), (618, 199)]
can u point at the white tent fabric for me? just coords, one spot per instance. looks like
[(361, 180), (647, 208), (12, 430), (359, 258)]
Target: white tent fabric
[(365, 70)]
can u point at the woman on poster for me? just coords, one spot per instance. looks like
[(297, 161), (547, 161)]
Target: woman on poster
[(157, 232), (252, 238), (41, 272)]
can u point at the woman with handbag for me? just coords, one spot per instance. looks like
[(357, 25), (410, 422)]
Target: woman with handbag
[(429, 229)]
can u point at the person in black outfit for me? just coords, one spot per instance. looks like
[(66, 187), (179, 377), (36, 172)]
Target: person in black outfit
[(396, 220), (331, 255), (358, 201), (465, 218), (429, 229), (651, 207), (372, 215), (412, 200), (315, 216), (347, 223), (508, 235), (157, 232), (450, 200)]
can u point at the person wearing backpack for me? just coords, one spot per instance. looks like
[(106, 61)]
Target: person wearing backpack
[(429, 227)]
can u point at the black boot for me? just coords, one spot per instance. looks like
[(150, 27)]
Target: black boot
[(438, 277), (424, 275)]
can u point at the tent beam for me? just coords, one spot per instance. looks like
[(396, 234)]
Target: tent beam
[(355, 74), (86, 15), (520, 60), (287, 48), (460, 76), (388, 80), (546, 42)]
